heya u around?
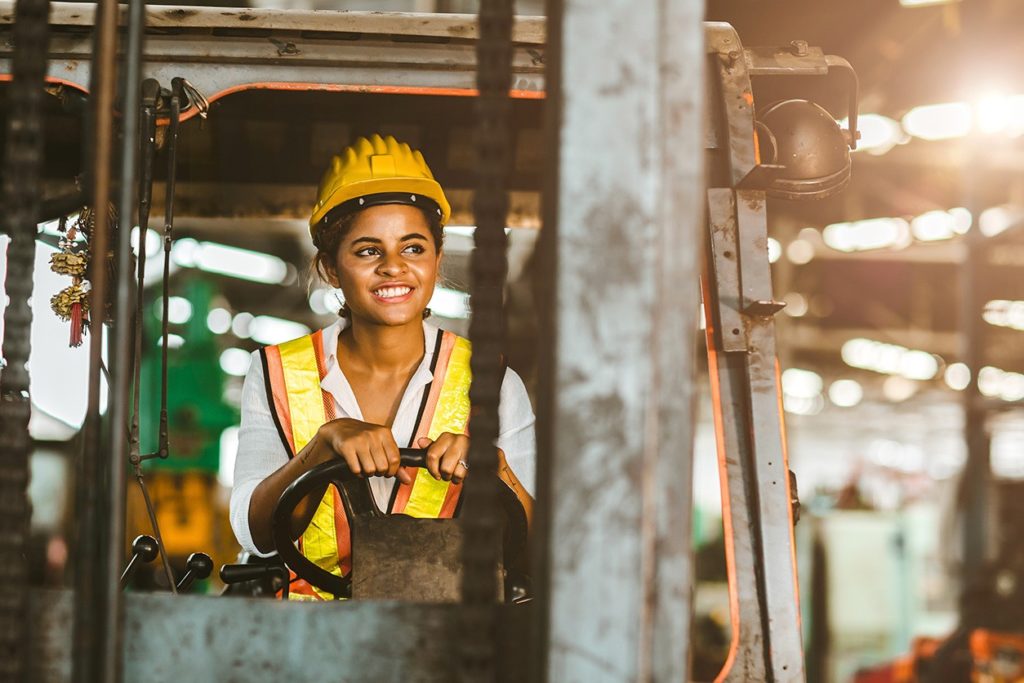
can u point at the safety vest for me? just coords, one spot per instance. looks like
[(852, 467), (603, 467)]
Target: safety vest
[(293, 371)]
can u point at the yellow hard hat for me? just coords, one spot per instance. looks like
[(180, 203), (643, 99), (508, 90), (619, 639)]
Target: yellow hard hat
[(378, 170)]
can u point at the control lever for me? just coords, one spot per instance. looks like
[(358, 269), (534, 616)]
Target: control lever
[(144, 550), (240, 573), (197, 566)]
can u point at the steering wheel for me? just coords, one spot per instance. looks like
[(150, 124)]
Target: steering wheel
[(357, 501)]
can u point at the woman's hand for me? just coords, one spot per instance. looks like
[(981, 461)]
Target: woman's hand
[(369, 449), (446, 457)]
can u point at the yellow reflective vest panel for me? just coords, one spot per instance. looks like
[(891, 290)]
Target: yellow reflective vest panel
[(293, 372)]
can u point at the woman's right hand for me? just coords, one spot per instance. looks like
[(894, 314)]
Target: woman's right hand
[(369, 449)]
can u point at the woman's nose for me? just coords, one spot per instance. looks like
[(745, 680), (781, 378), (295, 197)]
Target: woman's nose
[(392, 264)]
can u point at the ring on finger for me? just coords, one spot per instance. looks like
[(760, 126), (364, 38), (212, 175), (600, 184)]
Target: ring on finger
[(464, 464)]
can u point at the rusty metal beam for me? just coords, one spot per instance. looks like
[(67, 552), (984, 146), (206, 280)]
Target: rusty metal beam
[(617, 438), (743, 366), (525, 30)]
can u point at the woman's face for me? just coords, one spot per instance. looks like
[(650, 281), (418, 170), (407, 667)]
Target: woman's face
[(386, 265)]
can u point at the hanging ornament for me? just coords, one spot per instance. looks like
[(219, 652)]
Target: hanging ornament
[(71, 304)]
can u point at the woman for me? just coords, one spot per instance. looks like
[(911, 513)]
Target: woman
[(379, 378)]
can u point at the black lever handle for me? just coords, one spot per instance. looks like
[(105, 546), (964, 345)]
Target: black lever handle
[(413, 457), (144, 550), (198, 566), (238, 573)]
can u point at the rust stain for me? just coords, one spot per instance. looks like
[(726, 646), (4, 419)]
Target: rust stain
[(179, 13), (754, 201)]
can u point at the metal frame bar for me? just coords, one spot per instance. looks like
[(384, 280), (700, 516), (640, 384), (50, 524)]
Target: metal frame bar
[(740, 309), (619, 385)]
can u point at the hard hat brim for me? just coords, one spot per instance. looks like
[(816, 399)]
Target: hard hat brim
[(394, 187)]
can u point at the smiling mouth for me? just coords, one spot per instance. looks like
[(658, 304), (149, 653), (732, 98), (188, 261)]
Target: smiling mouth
[(392, 293)]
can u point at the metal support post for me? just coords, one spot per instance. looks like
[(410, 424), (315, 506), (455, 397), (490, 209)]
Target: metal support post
[(623, 215), (742, 361), (91, 586)]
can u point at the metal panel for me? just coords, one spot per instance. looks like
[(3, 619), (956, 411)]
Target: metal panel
[(169, 639), (629, 159), (525, 29), (217, 64)]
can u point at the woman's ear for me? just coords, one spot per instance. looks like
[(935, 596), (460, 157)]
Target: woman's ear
[(328, 271)]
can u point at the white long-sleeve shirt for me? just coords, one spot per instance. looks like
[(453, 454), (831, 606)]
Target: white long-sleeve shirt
[(261, 452)]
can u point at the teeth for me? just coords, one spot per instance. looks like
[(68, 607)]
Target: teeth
[(392, 292)]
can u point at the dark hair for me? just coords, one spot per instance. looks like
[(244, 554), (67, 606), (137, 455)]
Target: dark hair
[(328, 236)]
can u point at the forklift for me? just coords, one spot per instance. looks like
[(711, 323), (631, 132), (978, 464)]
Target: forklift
[(613, 124)]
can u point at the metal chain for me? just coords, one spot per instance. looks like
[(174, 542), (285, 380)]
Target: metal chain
[(480, 520), (21, 188)]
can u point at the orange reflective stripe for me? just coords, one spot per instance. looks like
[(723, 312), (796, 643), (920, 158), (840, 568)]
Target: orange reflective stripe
[(428, 497), (301, 370), (279, 393)]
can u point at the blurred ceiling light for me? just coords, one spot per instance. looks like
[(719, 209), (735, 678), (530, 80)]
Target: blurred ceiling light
[(873, 233), (939, 121), (235, 361), (228, 454), (240, 263), (925, 3), (796, 304), (800, 252), (460, 230), (465, 230), (450, 303), (898, 389), (890, 359), (957, 376), (267, 329), (1001, 114), (218, 320), (231, 261), (1004, 313), (174, 341), (937, 225), (896, 455), (774, 250), (996, 219), (800, 405), (153, 241), (183, 253), (878, 134), (179, 310), (996, 383), (801, 383), (326, 300), (845, 393), (241, 325), (1007, 451)]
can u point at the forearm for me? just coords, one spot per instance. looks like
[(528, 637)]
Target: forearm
[(268, 492)]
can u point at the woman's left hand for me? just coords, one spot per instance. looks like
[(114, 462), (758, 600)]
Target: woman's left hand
[(446, 457)]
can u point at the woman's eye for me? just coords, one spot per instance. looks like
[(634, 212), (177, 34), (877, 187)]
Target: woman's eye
[(415, 249), (368, 251)]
